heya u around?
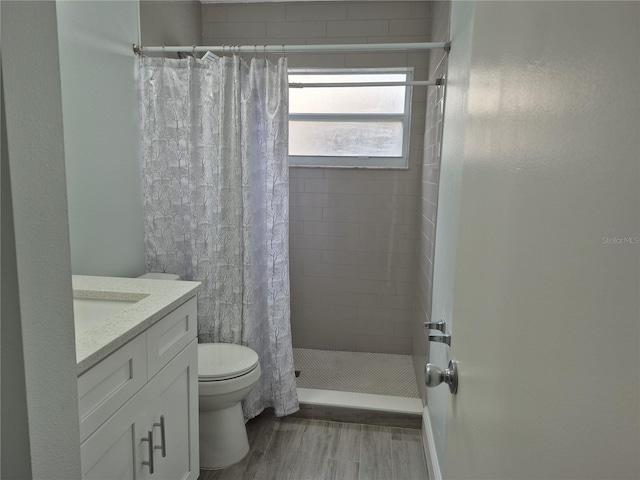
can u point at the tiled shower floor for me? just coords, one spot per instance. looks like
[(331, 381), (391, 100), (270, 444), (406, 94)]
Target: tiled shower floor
[(358, 372)]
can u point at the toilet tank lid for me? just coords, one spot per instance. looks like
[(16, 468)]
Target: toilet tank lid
[(219, 361), (160, 276)]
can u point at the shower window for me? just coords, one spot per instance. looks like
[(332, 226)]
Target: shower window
[(351, 126)]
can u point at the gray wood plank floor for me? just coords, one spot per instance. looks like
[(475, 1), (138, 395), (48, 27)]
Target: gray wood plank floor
[(299, 449)]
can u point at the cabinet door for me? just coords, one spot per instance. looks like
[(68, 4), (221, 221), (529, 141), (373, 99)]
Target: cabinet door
[(116, 450), (173, 395)]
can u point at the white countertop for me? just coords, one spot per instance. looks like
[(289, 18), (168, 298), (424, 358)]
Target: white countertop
[(155, 299)]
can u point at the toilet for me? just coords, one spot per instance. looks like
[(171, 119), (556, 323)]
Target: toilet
[(160, 276), (226, 375)]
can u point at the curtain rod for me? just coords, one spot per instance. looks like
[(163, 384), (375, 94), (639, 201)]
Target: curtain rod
[(417, 83), (287, 49)]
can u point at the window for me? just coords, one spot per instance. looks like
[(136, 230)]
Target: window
[(358, 126)]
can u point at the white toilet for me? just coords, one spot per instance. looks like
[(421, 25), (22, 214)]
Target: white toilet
[(226, 374), (160, 276)]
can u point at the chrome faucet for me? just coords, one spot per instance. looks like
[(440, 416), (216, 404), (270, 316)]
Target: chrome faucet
[(441, 325), (446, 338)]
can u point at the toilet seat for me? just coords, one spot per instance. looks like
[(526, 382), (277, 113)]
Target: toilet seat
[(223, 361)]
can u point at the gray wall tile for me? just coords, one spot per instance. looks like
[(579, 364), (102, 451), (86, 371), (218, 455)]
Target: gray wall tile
[(408, 27), (358, 28), (382, 10), (255, 12), (296, 29), (324, 11)]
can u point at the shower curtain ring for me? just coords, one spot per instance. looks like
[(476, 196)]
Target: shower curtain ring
[(164, 55), (193, 53), (264, 51)]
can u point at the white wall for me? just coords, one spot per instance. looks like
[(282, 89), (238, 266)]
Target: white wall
[(40, 316), (101, 127), (540, 166)]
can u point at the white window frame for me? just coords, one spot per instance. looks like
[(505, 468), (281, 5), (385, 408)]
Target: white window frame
[(321, 161)]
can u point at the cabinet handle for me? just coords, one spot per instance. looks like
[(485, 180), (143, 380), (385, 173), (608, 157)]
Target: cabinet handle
[(150, 440), (162, 447)]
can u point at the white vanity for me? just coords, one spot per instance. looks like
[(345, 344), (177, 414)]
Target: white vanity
[(136, 350)]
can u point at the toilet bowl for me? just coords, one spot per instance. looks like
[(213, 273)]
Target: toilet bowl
[(226, 375)]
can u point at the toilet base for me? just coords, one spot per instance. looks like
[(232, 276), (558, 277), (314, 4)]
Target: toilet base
[(223, 437)]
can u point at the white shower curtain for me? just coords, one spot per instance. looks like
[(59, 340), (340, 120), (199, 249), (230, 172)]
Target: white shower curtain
[(216, 183)]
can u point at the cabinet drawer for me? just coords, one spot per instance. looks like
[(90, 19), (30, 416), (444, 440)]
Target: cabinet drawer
[(104, 388), (169, 336)]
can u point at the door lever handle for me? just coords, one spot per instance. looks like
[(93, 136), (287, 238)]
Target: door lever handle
[(446, 338), (441, 325)]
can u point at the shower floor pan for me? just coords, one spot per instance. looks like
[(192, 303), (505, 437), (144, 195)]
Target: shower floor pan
[(357, 387)]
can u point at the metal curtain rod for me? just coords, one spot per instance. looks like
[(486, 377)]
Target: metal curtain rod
[(417, 83), (286, 49)]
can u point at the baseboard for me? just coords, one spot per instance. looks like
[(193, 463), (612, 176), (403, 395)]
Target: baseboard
[(433, 466)]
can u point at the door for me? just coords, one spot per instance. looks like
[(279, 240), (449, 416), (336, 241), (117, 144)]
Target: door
[(173, 401), (537, 258)]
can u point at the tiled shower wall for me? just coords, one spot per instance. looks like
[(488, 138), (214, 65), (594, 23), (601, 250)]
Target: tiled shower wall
[(429, 196), (353, 232)]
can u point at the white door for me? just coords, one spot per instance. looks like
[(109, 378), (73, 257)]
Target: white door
[(537, 256)]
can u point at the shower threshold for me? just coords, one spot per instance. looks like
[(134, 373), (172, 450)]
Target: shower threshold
[(357, 387)]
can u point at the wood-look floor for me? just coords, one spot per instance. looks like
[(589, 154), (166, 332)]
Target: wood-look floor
[(299, 449)]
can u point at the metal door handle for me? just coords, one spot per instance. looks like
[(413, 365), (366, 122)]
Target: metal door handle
[(434, 376), (150, 440), (163, 446), (446, 338), (441, 325)]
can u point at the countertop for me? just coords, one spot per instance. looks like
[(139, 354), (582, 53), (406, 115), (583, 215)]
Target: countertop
[(155, 299)]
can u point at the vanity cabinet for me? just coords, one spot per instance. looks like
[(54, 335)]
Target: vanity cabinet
[(139, 406)]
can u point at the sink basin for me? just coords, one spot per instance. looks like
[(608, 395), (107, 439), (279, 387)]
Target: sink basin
[(89, 312)]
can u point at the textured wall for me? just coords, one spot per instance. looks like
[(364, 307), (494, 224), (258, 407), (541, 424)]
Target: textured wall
[(429, 194), (41, 270), (13, 408), (353, 232)]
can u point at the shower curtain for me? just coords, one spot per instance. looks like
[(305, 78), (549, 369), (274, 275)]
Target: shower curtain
[(216, 205)]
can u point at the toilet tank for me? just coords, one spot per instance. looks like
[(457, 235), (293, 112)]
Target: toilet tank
[(160, 276)]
